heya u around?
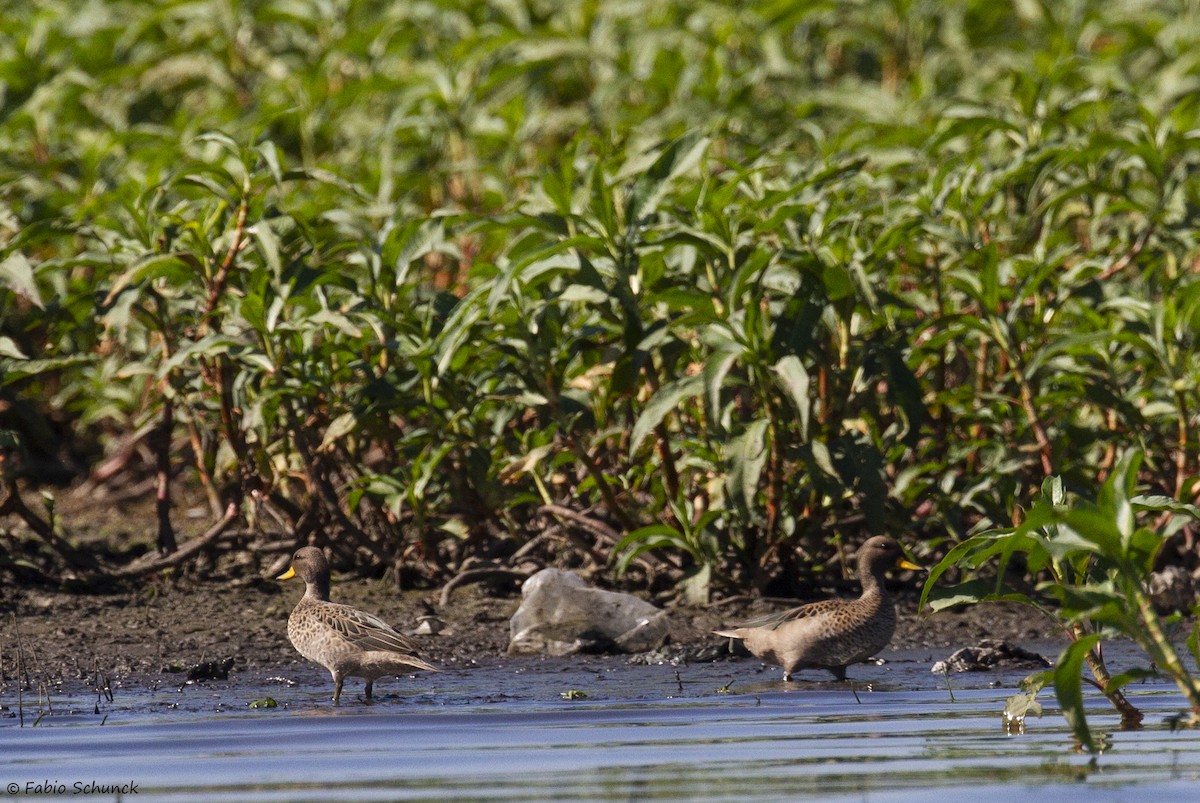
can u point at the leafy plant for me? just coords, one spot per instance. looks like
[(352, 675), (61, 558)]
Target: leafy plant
[(710, 288), (1098, 556)]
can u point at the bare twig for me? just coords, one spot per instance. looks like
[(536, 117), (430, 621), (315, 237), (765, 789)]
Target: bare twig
[(13, 504), (1045, 449), (112, 466), (217, 287), (606, 492), (593, 525), (156, 563), (1123, 261), (480, 575), (1131, 717)]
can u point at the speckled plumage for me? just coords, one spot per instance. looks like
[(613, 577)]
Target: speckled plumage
[(346, 641), (833, 633)]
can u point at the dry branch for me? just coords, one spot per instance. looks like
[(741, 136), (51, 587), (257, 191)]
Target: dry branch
[(480, 575), (153, 562)]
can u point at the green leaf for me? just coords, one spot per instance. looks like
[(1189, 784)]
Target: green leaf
[(793, 378), (426, 237), (668, 398), (209, 346), (10, 350), (1068, 680), (695, 585), (1053, 490), (971, 554), (1017, 708), (212, 186), (1157, 504), (822, 458), (1122, 679), (971, 592), (27, 368), (1095, 601), (270, 157), (268, 246), (1099, 529), (338, 321), (338, 429), (426, 467), (747, 457), (16, 273), (716, 368), (644, 539), (677, 158)]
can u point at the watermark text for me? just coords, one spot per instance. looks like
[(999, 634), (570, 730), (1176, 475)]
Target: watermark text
[(56, 787)]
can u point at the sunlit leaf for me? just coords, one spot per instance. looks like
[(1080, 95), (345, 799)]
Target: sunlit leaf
[(10, 350), (793, 378), (338, 429), (16, 273), (747, 457)]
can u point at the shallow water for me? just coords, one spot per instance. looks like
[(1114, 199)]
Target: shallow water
[(504, 732)]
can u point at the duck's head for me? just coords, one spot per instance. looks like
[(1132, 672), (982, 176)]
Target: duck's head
[(880, 553), (310, 565)]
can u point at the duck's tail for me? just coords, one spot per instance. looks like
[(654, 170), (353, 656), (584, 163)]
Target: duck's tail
[(419, 663)]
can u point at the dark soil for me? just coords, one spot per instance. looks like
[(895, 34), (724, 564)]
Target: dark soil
[(168, 629), (223, 606)]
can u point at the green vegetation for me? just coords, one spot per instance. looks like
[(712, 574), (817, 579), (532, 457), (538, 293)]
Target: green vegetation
[(1097, 557), (708, 286)]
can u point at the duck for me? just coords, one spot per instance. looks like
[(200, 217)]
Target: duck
[(346, 641), (831, 634)]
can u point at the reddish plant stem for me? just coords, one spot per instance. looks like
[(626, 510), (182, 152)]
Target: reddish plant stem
[(162, 498)]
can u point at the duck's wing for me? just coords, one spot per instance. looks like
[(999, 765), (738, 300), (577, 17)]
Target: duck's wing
[(773, 621), (367, 631)]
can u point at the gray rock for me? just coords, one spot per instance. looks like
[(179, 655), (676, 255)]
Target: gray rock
[(561, 615)]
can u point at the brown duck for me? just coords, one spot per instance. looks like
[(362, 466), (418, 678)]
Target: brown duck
[(346, 641), (833, 633)]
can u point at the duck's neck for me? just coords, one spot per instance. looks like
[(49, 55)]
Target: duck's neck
[(872, 584), (317, 589)]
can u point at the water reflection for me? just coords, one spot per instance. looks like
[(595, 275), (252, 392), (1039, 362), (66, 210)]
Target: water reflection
[(504, 733)]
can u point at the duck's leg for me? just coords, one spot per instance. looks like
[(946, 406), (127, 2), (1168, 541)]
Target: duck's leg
[(370, 683), (337, 688), (839, 672), (787, 676)]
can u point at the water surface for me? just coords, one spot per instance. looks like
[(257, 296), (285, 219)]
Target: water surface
[(505, 731)]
